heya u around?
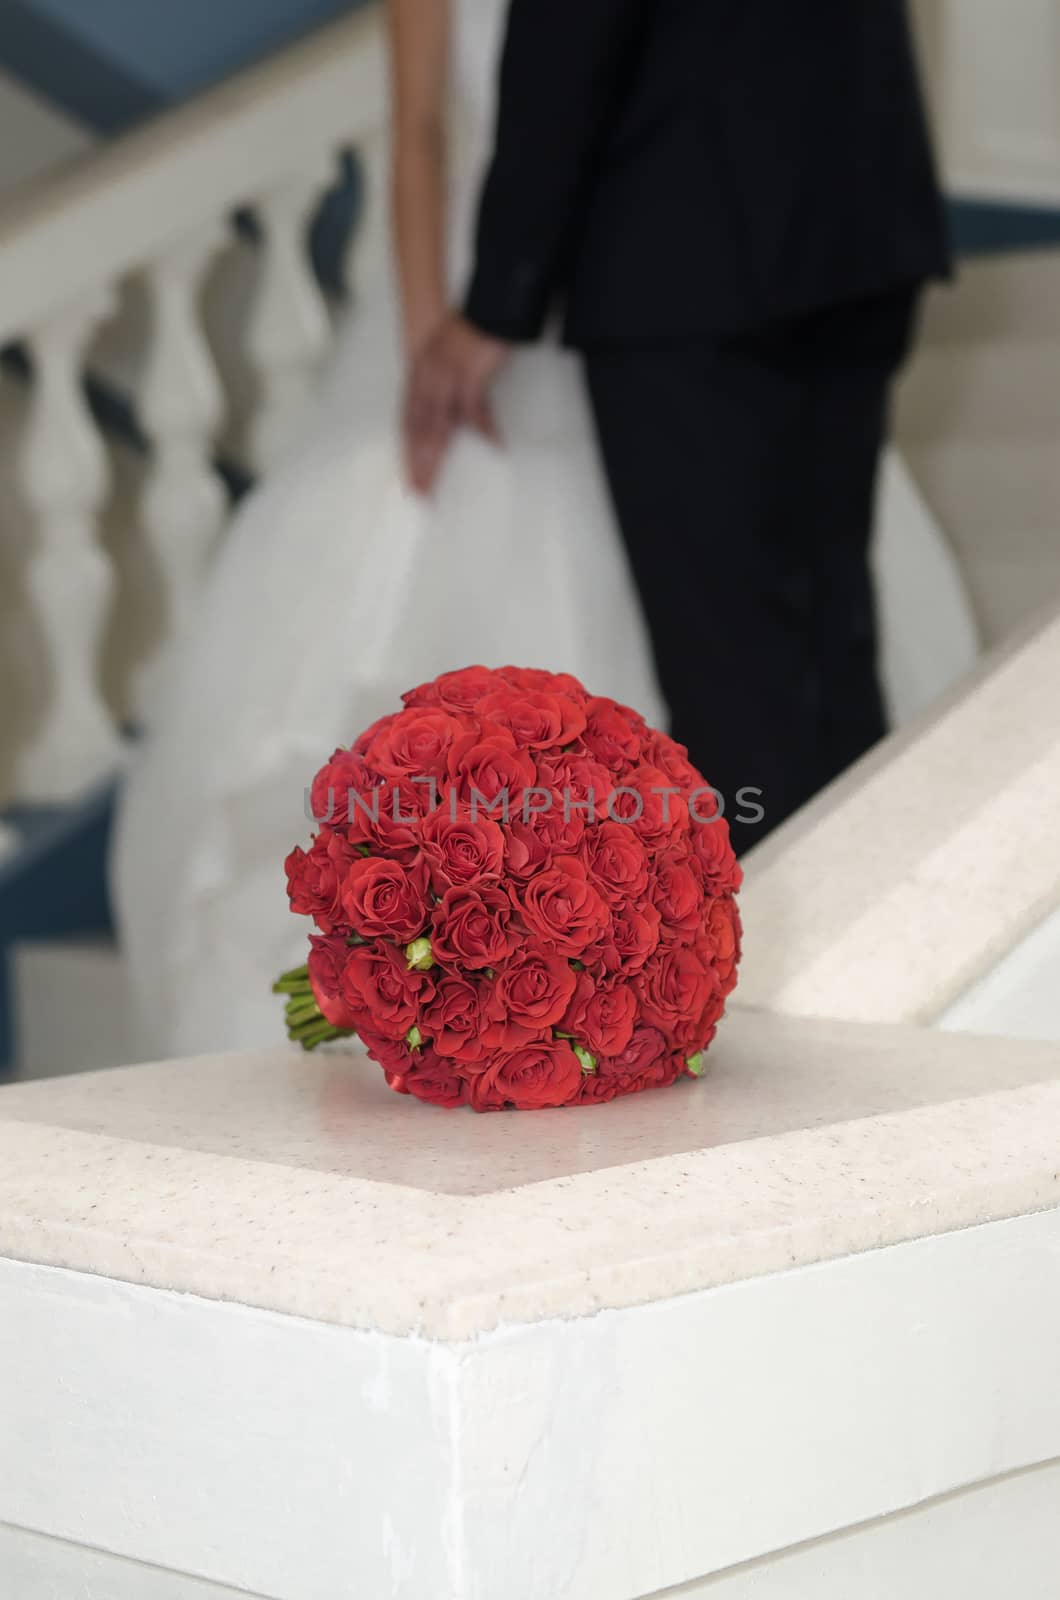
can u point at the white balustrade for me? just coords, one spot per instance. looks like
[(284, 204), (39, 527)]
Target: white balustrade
[(143, 226), (181, 506), (268, 320)]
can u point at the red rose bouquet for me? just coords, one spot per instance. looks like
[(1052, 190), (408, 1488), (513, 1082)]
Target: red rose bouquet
[(523, 896)]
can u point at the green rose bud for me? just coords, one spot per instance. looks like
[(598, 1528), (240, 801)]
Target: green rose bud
[(587, 1060), (414, 1038), (419, 955), (696, 1065)]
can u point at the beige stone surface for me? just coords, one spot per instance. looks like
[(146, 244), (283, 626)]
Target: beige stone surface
[(303, 1185), (913, 875)]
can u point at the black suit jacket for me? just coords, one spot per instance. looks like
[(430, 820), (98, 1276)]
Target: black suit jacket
[(677, 167)]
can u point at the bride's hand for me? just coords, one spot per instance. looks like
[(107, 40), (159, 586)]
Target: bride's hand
[(448, 388)]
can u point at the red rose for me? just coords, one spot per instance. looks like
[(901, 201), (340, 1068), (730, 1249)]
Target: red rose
[(612, 734), (388, 819), (416, 744), (697, 1035), (530, 996), (542, 829), (393, 1055), (327, 962), (601, 1016), (435, 1080), (563, 908), (616, 860), (472, 927), (461, 851), (714, 854), (315, 879), (457, 691), (645, 802), (672, 760), (678, 893), (544, 1074), (596, 1090), (583, 784), (538, 678), (646, 1063), (362, 745), (377, 983), (536, 718), (645, 1046), (723, 941), (674, 990), (632, 937), (488, 766), (330, 795), (454, 1020), (384, 899)]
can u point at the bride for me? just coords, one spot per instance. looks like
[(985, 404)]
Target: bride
[(339, 586)]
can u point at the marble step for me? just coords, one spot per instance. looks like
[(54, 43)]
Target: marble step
[(997, 492), (1018, 997), (999, 502), (997, 389), (924, 866), (1010, 586), (1012, 295)]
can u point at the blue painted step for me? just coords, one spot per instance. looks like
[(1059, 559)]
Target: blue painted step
[(54, 884)]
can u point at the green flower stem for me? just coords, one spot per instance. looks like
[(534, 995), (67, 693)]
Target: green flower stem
[(294, 982), (321, 1034), (302, 1010), (306, 1023)]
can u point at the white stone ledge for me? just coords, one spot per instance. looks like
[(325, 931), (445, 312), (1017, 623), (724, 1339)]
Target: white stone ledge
[(613, 1455), (269, 1326), (302, 1185)]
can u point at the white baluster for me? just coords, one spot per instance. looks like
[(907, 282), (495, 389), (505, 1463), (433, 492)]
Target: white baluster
[(180, 406), (269, 322), (60, 469)]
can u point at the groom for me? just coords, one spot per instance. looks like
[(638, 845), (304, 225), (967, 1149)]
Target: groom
[(737, 204)]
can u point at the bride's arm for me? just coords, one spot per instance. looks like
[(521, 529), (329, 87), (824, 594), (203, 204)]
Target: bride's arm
[(419, 51)]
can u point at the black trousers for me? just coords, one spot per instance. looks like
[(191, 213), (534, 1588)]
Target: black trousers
[(743, 474)]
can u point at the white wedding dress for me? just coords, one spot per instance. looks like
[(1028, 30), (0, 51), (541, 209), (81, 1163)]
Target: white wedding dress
[(337, 589)]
